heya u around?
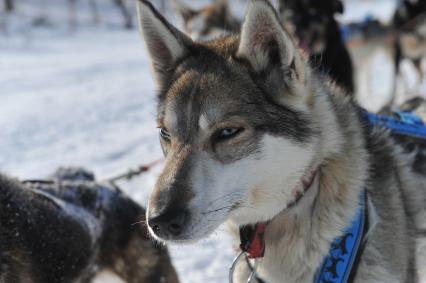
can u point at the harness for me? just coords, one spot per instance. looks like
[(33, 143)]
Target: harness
[(407, 124), (341, 263)]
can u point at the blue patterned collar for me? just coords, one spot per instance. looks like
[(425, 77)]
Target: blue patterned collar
[(345, 250)]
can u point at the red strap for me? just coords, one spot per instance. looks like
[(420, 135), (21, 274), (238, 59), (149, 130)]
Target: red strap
[(253, 241), (257, 248)]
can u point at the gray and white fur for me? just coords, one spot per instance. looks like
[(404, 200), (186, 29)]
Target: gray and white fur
[(243, 120)]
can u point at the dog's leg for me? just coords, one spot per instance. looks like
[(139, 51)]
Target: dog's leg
[(94, 10), (72, 17), (417, 62), (421, 257), (125, 12)]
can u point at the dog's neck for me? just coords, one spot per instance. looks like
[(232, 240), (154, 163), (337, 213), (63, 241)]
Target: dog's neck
[(298, 239)]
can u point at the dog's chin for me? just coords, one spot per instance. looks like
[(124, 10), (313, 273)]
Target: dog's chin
[(250, 217), (264, 213)]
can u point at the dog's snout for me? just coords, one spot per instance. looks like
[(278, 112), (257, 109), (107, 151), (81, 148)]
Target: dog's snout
[(168, 224)]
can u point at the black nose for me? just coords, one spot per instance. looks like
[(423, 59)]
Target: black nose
[(169, 223)]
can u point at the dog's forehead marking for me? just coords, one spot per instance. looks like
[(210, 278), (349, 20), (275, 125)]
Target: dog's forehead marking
[(184, 101), (176, 97), (170, 119), (202, 93)]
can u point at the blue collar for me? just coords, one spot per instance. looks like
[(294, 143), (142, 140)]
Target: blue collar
[(338, 264)]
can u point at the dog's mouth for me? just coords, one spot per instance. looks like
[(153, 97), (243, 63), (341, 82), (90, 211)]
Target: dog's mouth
[(194, 225)]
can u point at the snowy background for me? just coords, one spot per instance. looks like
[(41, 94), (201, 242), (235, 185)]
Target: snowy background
[(85, 97)]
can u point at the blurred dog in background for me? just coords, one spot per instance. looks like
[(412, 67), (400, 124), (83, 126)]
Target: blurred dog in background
[(71, 229), (410, 23), (208, 22), (313, 23)]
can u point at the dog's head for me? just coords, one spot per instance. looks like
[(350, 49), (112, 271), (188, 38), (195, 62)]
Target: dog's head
[(311, 21), (211, 21), (234, 124)]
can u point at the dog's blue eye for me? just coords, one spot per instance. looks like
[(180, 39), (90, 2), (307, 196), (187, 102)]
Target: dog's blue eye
[(229, 133), (164, 133)]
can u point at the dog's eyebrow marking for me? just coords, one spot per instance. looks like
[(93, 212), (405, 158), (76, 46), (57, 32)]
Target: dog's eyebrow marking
[(203, 122), (170, 120)]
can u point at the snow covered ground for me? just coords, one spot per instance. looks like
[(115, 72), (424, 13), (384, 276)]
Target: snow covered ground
[(87, 98)]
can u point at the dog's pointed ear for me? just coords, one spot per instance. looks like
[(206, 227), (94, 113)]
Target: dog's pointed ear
[(165, 44), (264, 42)]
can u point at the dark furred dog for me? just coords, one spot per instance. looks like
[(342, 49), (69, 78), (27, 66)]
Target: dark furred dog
[(313, 23), (70, 229)]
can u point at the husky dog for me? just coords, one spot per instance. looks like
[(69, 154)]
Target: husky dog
[(313, 23), (252, 135), (72, 229), (211, 21)]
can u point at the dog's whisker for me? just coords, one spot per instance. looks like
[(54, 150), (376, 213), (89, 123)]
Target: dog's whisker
[(224, 196), (139, 222), (217, 210), (226, 207)]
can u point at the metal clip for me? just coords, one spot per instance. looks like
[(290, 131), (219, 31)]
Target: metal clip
[(234, 264), (253, 272)]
